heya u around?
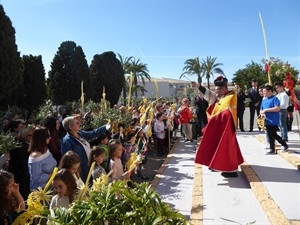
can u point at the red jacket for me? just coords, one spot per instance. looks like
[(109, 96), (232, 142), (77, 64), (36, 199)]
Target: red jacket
[(185, 116)]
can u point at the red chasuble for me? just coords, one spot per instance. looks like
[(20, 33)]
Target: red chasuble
[(219, 149)]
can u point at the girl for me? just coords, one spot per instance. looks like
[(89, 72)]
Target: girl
[(71, 161), (97, 155), (65, 188), (41, 162), (159, 129), (129, 147), (141, 144), (115, 152), (10, 198)]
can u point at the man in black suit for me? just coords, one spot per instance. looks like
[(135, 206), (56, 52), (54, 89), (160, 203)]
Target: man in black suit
[(240, 107), (255, 101)]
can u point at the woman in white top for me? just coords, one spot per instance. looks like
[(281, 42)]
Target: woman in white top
[(41, 162)]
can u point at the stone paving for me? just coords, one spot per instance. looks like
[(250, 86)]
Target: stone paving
[(267, 190)]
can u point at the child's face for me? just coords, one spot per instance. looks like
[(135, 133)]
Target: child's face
[(104, 141), (74, 169), (119, 151), (99, 159), (60, 187), (140, 134), (10, 186)]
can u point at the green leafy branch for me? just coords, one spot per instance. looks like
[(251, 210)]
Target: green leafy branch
[(8, 142)]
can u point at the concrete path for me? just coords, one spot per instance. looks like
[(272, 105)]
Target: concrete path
[(267, 190)]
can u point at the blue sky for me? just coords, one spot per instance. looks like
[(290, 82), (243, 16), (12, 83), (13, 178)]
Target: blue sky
[(162, 33)]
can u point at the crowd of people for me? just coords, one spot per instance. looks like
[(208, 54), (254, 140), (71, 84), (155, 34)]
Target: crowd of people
[(61, 142)]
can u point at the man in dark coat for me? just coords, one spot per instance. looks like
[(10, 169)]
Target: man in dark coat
[(255, 101)]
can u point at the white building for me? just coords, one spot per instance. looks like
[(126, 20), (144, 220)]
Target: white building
[(167, 87)]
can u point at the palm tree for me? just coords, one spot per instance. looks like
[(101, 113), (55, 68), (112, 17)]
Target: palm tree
[(210, 67), (193, 66), (126, 64), (140, 72)]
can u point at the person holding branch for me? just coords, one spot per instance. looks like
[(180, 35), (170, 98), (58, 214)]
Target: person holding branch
[(219, 149)]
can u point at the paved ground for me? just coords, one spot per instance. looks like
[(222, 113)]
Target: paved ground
[(267, 190)]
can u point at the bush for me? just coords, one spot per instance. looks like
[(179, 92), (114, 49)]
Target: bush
[(118, 204)]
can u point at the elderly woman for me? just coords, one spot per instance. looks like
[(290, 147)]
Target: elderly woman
[(77, 141)]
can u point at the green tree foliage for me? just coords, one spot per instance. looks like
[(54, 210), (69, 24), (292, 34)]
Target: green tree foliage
[(68, 68), (125, 62), (34, 82), (107, 71), (210, 66), (140, 72), (243, 77), (10, 63), (193, 66), (279, 70)]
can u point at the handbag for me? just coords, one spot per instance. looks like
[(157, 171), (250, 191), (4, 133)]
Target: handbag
[(261, 122)]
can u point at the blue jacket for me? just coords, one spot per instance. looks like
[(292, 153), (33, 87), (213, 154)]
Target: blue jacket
[(70, 143)]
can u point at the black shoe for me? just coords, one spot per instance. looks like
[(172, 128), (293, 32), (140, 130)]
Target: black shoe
[(229, 174), (242, 130), (191, 140), (271, 152), (251, 130), (186, 140)]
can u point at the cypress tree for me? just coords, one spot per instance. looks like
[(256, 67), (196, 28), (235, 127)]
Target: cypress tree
[(68, 68), (34, 82), (10, 63), (107, 71)]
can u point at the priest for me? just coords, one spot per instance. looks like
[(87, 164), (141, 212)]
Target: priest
[(219, 148)]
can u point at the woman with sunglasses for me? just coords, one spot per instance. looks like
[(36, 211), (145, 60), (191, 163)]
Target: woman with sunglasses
[(77, 140), (41, 162)]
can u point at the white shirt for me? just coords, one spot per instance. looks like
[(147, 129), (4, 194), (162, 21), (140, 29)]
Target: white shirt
[(58, 201), (284, 100), (159, 129)]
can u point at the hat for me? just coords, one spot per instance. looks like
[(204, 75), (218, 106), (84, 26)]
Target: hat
[(221, 81)]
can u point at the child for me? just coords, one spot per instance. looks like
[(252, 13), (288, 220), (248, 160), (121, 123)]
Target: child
[(141, 143), (115, 149), (159, 129), (97, 155), (71, 161), (129, 147), (120, 134), (10, 198), (65, 188), (103, 144)]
